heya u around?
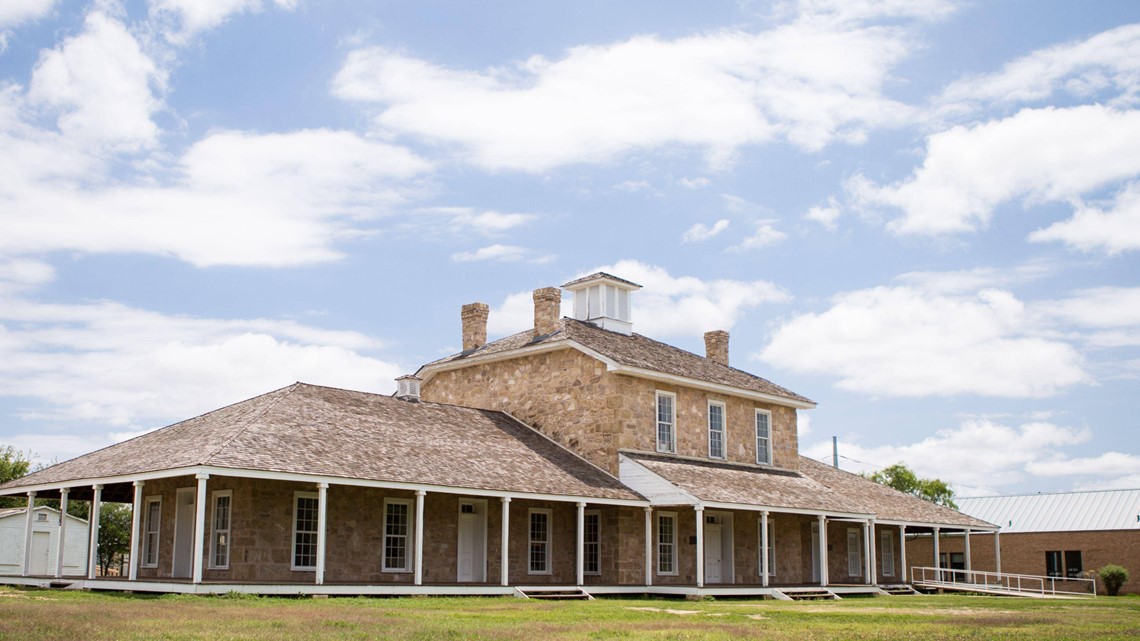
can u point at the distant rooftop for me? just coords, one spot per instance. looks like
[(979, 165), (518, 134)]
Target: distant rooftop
[(1059, 512)]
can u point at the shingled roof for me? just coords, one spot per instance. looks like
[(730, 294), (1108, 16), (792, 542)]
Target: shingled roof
[(308, 429), (890, 504), (631, 351)]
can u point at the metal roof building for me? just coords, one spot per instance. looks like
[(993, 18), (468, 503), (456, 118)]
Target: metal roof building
[(1060, 512)]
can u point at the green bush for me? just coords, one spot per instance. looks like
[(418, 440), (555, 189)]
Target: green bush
[(1113, 577)]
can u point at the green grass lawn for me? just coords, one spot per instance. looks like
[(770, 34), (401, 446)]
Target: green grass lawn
[(32, 615)]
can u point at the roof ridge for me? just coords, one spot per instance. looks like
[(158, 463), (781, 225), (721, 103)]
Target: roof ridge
[(1030, 494), (288, 390)]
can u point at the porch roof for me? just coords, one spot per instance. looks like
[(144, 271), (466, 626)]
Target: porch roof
[(889, 504), (308, 429), (720, 482)]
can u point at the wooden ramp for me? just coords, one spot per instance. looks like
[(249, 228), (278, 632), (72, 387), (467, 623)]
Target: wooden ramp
[(1002, 584)]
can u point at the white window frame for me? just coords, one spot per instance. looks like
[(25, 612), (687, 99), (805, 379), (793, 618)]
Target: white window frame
[(671, 447), (771, 547), (214, 531), (723, 429), (586, 543), (854, 551), (887, 545), (148, 543), (672, 518), (768, 440), (531, 541), (297, 496), (407, 536)]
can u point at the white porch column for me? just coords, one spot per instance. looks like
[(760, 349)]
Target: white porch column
[(764, 569), (902, 553), (823, 551), (93, 543), (874, 554), (969, 564), (28, 521), (937, 556), (699, 510), (580, 556), (419, 578), (322, 530), (62, 532), (868, 566), (200, 527), (136, 530), (648, 546), (997, 552), (504, 544)]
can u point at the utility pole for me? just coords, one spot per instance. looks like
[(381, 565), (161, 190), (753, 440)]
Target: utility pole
[(835, 451)]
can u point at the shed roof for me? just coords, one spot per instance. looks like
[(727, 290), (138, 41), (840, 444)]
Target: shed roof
[(1059, 512), (308, 429), (632, 351)]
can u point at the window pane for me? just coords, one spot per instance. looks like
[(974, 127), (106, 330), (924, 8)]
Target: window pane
[(539, 555), (763, 438), (716, 431), (591, 544), (396, 536), (664, 423), (666, 537), (1073, 565), (305, 540), (1052, 564)]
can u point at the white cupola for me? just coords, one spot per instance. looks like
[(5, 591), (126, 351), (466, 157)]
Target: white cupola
[(603, 300)]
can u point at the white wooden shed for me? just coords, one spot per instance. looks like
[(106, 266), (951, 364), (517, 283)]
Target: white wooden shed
[(45, 542)]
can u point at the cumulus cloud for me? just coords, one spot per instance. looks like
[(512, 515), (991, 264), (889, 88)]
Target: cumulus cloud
[(126, 368), (1114, 229), (764, 234), (500, 253), (233, 198), (101, 84), (825, 215), (184, 18), (1037, 155), (701, 232), (978, 456), (813, 80), (903, 341), (16, 12), (666, 305)]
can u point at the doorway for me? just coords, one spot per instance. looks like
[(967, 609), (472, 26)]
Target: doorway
[(718, 547), (184, 511), (815, 577), (471, 550), (41, 554)]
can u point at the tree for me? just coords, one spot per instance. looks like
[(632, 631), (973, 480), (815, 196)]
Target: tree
[(13, 465), (114, 533), (903, 479)]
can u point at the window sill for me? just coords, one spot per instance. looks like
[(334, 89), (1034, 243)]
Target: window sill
[(396, 570), (294, 568)]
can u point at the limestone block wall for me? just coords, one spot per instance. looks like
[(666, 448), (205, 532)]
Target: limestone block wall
[(571, 398)]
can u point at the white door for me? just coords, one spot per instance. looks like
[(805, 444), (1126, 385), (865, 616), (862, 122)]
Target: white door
[(184, 533), (41, 553), (470, 565), (714, 557), (815, 552)]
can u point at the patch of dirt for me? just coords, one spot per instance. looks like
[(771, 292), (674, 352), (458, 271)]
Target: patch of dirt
[(666, 611)]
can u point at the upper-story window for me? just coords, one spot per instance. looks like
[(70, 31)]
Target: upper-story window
[(666, 422), (764, 437), (716, 429)]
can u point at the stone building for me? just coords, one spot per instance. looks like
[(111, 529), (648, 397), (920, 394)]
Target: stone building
[(575, 455), (1058, 535)]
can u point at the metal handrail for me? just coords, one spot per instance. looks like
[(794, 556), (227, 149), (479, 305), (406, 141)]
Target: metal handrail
[(1017, 583)]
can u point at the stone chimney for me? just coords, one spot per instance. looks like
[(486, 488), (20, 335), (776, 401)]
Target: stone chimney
[(547, 310), (474, 316), (716, 346)]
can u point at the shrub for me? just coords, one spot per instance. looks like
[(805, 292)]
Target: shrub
[(1113, 576)]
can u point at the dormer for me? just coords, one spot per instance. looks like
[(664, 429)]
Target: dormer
[(603, 300)]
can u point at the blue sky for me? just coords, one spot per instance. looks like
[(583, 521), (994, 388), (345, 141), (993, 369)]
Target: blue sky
[(923, 214)]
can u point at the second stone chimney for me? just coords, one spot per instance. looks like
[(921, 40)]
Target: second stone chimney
[(547, 310), (474, 316), (716, 346)]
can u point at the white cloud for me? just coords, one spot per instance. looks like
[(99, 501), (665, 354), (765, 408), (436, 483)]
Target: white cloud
[(825, 215), (500, 253), (126, 368), (466, 220), (21, 274), (1099, 307), (1037, 155), (764, 235), (101, 83), (234, 198), (811, 81), (695, 183), (1106, 464), (701, 232), (974, 279), (16, 12), (979, 454), (803, 424), (1107, 61), (1114, 230), (902, 341), (184, 18)]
